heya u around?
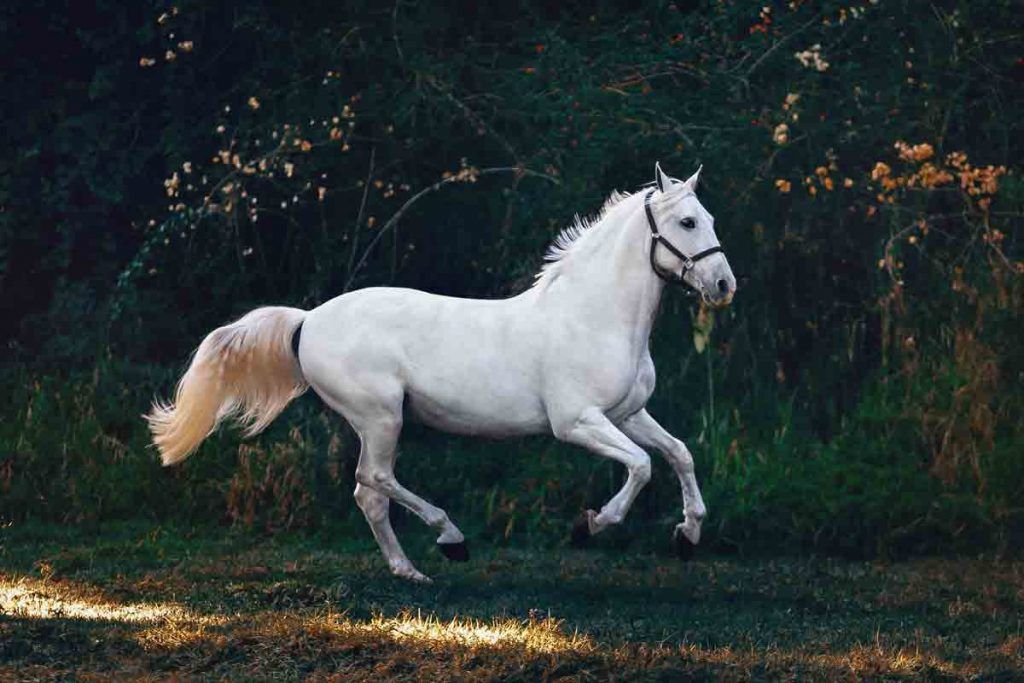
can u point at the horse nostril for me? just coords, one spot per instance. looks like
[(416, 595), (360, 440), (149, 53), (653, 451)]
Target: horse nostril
[(723, 286)]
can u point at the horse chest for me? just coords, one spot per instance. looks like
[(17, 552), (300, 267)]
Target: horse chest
[(638, 392), (612, 377)]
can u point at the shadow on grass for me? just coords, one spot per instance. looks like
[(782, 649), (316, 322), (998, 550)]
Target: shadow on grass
[(246, 608)]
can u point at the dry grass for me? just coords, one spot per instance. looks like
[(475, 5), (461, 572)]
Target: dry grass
[(251, 609)]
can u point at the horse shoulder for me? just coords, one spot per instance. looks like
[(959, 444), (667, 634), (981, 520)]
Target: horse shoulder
[(646, 376)]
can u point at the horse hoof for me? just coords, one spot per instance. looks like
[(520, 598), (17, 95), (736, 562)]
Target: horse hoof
[(685, 548), (410, 573), (581, 529), (457, 552)]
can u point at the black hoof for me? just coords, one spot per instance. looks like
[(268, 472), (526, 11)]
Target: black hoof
[(684, 548), (457, 552), (580, 530)]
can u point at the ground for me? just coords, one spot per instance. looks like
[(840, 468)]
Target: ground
[(143, 601)]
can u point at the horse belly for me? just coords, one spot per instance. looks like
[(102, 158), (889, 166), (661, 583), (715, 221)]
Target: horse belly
[(482, 401)]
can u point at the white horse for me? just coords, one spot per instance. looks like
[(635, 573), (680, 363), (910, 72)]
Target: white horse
[(567, 357)]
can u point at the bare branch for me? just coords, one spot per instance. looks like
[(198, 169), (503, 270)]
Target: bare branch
[(359, 214), (393, 221), (785, 39), (471, 116)]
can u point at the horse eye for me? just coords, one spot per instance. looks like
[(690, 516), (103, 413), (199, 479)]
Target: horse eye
[(688, 223)]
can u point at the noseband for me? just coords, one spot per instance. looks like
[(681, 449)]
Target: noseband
[(688, 261)]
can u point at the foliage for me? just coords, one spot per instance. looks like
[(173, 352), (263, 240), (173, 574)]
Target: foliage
[(173, 166)]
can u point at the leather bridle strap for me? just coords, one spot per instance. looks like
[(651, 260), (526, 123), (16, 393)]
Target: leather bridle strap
[(657, 238)]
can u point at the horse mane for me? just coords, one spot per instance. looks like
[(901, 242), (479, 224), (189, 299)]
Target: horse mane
[(563, 243)]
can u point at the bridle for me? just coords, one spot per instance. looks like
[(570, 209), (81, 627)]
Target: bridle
[(688, 261)]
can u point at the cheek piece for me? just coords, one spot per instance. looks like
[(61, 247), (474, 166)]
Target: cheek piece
[(688, 261)]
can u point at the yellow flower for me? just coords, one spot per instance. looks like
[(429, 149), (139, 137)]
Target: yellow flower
[(781, 134), (918, 152), (254, 103), (146, 61), (783, 185), (956, 159), (171, 184)]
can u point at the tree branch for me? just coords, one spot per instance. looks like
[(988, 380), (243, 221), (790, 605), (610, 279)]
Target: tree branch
[(393, 221)]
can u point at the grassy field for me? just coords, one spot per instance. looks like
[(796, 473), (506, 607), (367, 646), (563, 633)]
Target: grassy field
[(140, 601)]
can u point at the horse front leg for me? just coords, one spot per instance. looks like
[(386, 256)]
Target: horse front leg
[(596, 433), (643, 429)]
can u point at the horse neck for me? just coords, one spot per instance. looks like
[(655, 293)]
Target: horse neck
[(615, 285)]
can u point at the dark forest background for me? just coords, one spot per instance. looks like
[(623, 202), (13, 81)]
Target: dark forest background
[(165, 168)]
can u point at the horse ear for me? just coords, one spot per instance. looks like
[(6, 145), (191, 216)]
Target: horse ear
[(691, 182), (660, 179)]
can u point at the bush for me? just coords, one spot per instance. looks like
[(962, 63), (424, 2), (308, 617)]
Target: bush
[(175, 167)]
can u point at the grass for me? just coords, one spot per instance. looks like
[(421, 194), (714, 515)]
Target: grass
[(147, 602)]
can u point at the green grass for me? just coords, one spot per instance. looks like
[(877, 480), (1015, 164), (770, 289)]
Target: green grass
[(134, 600), (75, 450)]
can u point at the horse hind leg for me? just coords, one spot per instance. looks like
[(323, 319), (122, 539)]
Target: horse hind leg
[(370, 413), (375, 508), (373, 406), (376, 471)]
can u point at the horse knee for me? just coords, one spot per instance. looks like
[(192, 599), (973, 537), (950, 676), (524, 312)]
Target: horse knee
[(683, 458), (641, 469)]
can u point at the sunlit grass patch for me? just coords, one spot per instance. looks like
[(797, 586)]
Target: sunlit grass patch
[(29, 598), (545, 635), (425, 647), (210, 606)]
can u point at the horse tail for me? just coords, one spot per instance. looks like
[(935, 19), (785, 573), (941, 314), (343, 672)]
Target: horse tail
[(247, 370)]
